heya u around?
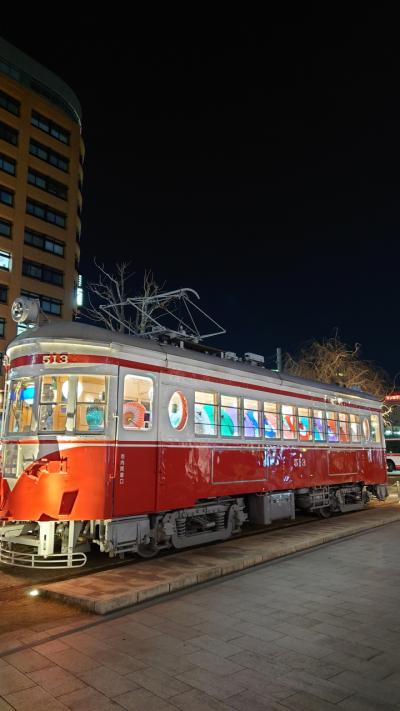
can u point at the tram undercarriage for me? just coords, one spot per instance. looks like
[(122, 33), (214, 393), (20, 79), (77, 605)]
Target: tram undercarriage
[(55, 544)]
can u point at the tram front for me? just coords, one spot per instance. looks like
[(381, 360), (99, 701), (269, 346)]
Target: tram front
[(58, 447)]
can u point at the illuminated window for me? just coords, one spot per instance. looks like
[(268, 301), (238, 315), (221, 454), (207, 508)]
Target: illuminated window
[(271, 420), (90, 403), (318, 426), (5, 260), (375, 429), (333, 427), (53, 403), (137, 407), (288, 422), (205, 413), (305, 430), (355, 428), (366, 429), (229, 416), (21, 396), (251, 418), (178, 411), (344, 435)]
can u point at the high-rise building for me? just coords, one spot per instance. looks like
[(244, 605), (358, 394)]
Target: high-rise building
[(41, 158)]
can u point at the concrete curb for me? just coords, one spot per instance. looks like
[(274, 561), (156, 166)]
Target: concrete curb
[(113, 590)]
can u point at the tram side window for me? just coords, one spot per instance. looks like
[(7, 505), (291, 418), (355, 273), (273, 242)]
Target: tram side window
[(305, 430), (355, 428), (21, 397), (229, 416), (332, 425), (344, 427), (375, 430), (53, 403), (318, 426), (271, 429), (289, 422), (251, 418), (90, 403), (205, 413), (366, 429), (137, 409)]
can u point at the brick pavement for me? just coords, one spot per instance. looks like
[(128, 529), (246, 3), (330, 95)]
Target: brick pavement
[(316, 631), (115, 589)]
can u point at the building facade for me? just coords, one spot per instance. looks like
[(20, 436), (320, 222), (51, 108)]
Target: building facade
[(41, 175)]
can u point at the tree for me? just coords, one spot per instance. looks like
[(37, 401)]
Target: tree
[(332, 361), (108, 296)]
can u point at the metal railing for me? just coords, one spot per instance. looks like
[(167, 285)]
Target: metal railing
[(24, 559)]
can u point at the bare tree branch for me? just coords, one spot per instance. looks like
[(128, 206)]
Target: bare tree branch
[(331, 361)]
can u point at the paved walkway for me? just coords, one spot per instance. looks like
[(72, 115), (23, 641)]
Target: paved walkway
[(129, 585), (320, 630)]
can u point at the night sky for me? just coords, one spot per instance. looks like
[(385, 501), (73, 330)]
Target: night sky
[(256, 161)]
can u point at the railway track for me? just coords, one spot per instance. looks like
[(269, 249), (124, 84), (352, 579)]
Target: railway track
[(19, 580)]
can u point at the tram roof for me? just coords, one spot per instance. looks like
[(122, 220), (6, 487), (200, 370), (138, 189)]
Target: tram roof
[(73, 330)]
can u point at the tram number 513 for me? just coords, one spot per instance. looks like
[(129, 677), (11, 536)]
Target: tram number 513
[(51, 358)]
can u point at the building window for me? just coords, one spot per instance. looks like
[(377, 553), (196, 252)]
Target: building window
[(5, 228), (47, 304), (45, 212), (7, 164), (6, 196), (48, 155), (9, 134), (10, 104), (2, 327), (41, 241), (5, 260), (44, 182), (3, 293), (42, 272), (48, 126)]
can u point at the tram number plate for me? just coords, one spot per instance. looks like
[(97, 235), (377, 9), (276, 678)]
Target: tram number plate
[(51, 358)]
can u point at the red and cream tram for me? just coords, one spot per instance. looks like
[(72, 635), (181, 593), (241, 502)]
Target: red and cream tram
[(135, 445)]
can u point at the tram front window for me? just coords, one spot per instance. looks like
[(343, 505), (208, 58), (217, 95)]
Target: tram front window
[(21, 397), (90, 403), (53, 403)]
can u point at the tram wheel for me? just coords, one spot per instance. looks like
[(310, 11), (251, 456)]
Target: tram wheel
[(390, 465), (146, 550), (325, 512)]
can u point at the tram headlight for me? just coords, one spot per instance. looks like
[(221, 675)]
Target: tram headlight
[(24, 310)]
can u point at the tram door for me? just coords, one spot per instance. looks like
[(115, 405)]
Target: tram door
[(136, 444)]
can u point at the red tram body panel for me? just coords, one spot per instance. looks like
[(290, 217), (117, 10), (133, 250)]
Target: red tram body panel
[(144, 445)]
